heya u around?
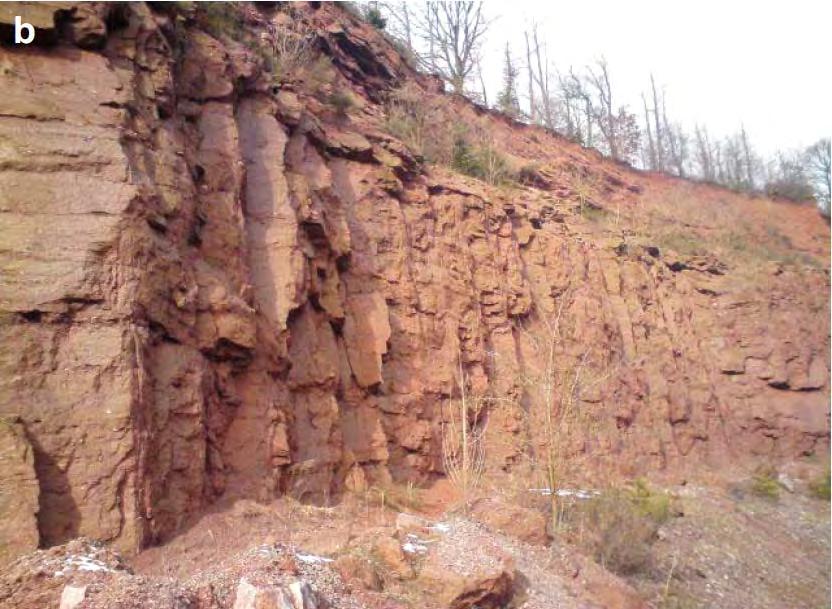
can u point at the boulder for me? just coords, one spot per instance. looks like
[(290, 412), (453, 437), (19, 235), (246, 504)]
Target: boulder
[(483, 589), (296, 595), (390, 556), (354, 569), (72, 596), (513, 520)]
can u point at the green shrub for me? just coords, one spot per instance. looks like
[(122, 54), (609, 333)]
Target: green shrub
[(464, 160), (529, 175), (764, 484), (482, 161), (619, 535), (341, 101), (619, 526), (421, 122), (594, 213), (678, 600), (819, 487), (649, 503), (317, 74), (374, 17), (221, 19)]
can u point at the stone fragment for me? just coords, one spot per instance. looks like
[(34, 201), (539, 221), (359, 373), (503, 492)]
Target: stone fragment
[(388, 552), (72, 596), (491, 588), (513, 520)]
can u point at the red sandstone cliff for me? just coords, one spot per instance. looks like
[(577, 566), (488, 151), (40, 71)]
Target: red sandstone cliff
[(214, 286)]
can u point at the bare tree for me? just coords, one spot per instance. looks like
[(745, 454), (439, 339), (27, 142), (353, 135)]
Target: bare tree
[(704, 154), (619, 127), (481, 79), (454, 32), (659, 135), (677, 144), (599, 79), (787, 177), (651, 162), (666, 141), (577, 108), (530, 72), (818, 160), (401, 20), (539, 76), (748, 159)]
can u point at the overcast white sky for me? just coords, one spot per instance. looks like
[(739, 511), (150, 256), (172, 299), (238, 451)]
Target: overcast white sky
[(722, 62)]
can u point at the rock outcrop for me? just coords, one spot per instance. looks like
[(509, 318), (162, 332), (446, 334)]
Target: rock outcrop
[(18, 492), (214, 285)]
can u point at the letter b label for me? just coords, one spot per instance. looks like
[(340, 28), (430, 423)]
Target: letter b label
[(24, 33)]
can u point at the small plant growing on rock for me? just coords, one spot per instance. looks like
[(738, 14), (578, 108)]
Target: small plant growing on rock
[(221, 19), (480, 160), (463, 440), (764, 484), (619, 536), (651, 504), (554, 384), (291, 51), (341, 101), (317, 74), (619, 526), (420, 121)]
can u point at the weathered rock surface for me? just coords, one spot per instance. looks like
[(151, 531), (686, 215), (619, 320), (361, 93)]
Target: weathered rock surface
[(18, 492), (484, 589), (72, 596), (522, 523), (208, 289), (297, 595)]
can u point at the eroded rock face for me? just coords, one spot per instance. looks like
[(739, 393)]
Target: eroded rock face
[(211, 287), (18, 492)]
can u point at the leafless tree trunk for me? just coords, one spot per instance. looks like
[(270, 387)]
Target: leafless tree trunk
[(818, 157), (400, 22), (746, 152), (677, 143), (454, 32), (659, 134), (600, 80), (704, 154), (651, 146), (541, 78), (530, 70), (482, 82)]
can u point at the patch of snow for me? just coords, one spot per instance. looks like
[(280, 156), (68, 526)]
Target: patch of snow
[(441, 527), (311, 559), (414, 548), (415, 545), (82, 563), (566, 492)]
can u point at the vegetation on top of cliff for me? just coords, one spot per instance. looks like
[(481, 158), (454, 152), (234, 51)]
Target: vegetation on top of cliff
[(581, 104)]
